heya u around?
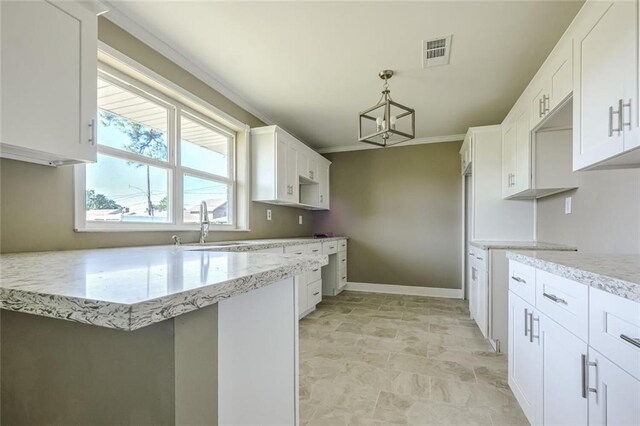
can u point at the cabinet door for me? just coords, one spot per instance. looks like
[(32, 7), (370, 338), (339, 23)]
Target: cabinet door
[(522, 179), (601, 54), (49, 79), (508, 159), (561, 78), (301, 286), (283, 185), (292, 172), (312, 167), (525, 358), (482, 305), (631, 101), (617, 396), (323, 182), (562, 375), (473, 286), (539, 105)]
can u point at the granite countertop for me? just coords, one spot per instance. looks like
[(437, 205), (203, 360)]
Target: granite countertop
[(130, 288), (614, 273), (520, 245), (250, 245)]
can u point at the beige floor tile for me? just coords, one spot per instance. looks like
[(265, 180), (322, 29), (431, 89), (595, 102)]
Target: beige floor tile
[(376, 359)]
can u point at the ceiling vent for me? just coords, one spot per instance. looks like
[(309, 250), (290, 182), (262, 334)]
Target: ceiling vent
[(436, 51)]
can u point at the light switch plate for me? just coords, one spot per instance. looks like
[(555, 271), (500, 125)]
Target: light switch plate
[(300, 220), (268, 214), (567, 205)]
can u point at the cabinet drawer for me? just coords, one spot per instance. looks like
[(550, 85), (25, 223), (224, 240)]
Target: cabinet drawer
[(342, 245), (329, 247), (301, 249), (522, 281), (314, 275), (611, 320), (342, 259), (314, 293), (342, 277), (564, 301), (315, 248)]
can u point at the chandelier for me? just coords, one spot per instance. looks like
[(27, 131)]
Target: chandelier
[(388, 122)]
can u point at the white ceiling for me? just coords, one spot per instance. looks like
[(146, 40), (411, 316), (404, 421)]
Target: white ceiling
[(311, 67)]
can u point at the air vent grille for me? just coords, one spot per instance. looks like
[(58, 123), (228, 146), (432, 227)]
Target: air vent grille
[(436, 51)]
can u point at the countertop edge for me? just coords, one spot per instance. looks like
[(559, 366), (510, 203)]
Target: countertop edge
[(130, 317), (615, 286), (508, 245)]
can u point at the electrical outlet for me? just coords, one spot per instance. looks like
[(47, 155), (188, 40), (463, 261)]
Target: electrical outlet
[(567, 205), (268, 214), (300, 220)]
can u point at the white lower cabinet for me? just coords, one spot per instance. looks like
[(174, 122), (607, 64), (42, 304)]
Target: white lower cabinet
[(554, 371), (562, 352), (614, 395), (524, 358)]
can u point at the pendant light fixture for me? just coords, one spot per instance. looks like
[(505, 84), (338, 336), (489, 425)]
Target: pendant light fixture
[(388, 122)]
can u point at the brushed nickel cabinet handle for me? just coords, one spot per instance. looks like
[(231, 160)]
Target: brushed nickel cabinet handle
[(545, 104), (518, 279), (531, 327), (613, 112), (540, 108), (92, 132), (585, 376), (526, 319), (316, 293), (555, 298), (633, 340), (625, 123)]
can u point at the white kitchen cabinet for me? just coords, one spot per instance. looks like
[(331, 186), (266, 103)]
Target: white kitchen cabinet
[(562, 400), (285, 171), (517, 155), (323, 183), (525, 358), (605, 116), (614, 398), (49, 81), (555, 370), (309, 284), (275, 166), (479, 290)]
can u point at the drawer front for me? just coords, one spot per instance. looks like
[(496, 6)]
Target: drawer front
[(522, 281), (329, 247), (564, 301), (314, 275), (612, 319), (342, 245), (315, 248), (342, 259), (314, 293), (301, 249), (342, 277), (481, 258)]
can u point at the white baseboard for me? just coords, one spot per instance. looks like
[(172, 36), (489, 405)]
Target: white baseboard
[(450, 293)]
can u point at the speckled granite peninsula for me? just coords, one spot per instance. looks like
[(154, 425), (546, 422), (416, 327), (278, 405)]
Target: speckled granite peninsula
[(151, 335), (129, 288), (613, 273), (520, 245)]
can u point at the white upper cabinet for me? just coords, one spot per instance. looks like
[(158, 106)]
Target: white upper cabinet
[(606, 86), (517, 154), (49, 81), (286, 171)]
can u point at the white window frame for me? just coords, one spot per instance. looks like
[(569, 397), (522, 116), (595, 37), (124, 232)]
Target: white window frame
[(121, 70)]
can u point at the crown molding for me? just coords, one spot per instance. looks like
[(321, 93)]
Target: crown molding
[(190, 65), (418, 141)]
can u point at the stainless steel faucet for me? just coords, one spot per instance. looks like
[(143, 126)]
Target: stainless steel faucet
[(204, 222)]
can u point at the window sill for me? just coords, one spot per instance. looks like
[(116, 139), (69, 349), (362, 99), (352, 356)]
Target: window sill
[(155, 229)]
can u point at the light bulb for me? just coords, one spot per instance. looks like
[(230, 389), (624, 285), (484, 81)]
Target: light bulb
[(393, 122)]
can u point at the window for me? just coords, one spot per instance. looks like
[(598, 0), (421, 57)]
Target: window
[(158, 159)]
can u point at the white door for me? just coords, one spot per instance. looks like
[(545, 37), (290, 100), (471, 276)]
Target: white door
[(292, 172), (525, 357), (323, 185), (562, 375), (283, 187), (508, 159), (617, 397), (49, 78), (602, 58), (522, 180)]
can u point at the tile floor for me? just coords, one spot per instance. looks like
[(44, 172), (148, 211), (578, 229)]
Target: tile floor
[(376, 359)]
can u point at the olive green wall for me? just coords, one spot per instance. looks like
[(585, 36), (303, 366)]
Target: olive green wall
[(36, 202), (401, 208)]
